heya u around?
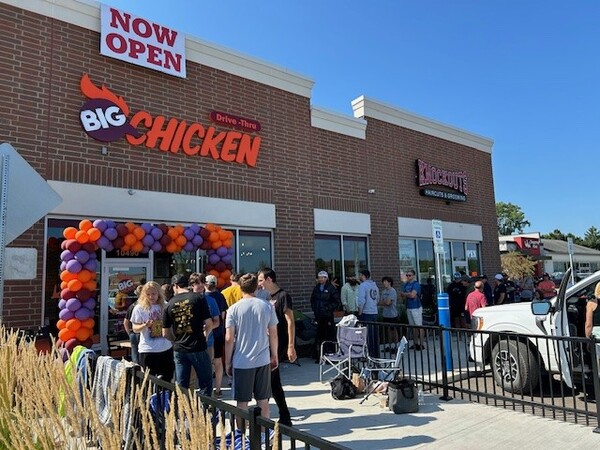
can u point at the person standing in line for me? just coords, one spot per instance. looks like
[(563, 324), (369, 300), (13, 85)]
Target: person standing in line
[(475, 300), (187, 322), (511, 289), (324, 301), (348, 296), (251, 347), (233, 293), (198, 284), (487, 290), (286, 334), (547, 287), (527, 288), (134, 338), (411, 291), (389, 313), (499, 289), (219, 330), (366, 301), (155, 351), (457, 293)]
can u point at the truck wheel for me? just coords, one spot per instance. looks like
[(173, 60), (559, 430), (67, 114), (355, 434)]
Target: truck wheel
[(515, 368)]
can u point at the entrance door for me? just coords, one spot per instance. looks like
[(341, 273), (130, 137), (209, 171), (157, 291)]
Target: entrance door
[(460, 266), (120, 278)]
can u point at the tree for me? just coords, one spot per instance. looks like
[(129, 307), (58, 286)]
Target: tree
[(556, 234), (516, 265), (592, 238), (510, 219)]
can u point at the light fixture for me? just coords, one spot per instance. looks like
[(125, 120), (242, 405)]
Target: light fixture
[(104, 150), (371, 191)]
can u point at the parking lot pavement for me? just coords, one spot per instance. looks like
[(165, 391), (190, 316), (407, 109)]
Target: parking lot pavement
[(456, 424)]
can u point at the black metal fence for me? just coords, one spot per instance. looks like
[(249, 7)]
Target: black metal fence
[(232, 427), (517, 371)]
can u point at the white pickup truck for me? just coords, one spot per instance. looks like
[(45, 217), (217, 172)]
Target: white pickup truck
[(516, 360)]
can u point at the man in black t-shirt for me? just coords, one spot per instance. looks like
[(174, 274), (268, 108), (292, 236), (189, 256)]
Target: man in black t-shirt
[(286, 333), (187, 322), (499, 290), (457, 294)]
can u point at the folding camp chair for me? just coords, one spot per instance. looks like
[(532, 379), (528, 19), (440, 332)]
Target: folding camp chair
[(387, 369), (351, 345)]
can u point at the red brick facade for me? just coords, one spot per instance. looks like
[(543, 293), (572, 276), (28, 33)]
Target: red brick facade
[(300, 167)]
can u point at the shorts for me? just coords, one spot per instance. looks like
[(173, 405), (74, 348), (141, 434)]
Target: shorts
[(219, 347), (415, 316), (255, 381), (389, 319)]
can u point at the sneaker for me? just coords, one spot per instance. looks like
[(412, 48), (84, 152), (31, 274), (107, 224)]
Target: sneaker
[(218, 394), (263, 442)]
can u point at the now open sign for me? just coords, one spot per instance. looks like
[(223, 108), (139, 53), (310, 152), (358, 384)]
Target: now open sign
[(141, 42)]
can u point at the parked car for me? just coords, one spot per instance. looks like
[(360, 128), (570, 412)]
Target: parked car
[(557, 277), (516, 359)]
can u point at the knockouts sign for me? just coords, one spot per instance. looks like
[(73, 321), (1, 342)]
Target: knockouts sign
[(429, 175)]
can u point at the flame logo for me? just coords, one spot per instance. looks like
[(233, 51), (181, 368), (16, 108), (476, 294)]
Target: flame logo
[(90, 90)]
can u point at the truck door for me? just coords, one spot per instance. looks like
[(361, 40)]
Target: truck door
[(561, 328)]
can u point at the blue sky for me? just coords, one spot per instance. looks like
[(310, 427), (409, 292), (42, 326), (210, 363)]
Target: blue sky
[(523, 73)]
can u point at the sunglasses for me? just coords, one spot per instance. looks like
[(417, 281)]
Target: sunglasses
[(408, 275)]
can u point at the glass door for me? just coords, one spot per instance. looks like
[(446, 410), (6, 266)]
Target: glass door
[(119, 280)]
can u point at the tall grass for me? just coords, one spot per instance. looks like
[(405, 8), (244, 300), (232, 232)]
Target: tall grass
[(41, 409)]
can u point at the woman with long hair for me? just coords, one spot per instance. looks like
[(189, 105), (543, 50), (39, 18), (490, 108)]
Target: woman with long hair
[(155, 351)]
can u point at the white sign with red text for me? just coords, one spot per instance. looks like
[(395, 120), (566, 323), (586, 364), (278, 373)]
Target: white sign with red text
[(140, 41)]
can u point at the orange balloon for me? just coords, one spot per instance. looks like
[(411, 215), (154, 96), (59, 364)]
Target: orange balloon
[(82, 237), (85, 275), (90, 285), (130, 226), (214, 272), (181, 240), (69, 232), (226, 274), (210, 226), (172, 233), (216, 244), (67, 276), (229, 234), (73, 324), (220, 282), (83, 333), (180, 228), (61, 324), (227, 243), (223, 235), (94, 234), (172, 247), (139, 233), (74, 285), (214, 236), (130, 239), (138, 246), (65, 334), (88, 323), (85, 224), (63, 285)]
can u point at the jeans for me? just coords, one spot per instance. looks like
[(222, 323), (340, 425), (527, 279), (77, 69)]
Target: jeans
[(134, 338), (200, 361), (279, 396), (372, 334)]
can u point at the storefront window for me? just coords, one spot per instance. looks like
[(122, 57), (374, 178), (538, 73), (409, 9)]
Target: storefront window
[(458, 251), (355, 255), (254, 251), (328, 255), (426, 259), (408, 255), (473, 260)]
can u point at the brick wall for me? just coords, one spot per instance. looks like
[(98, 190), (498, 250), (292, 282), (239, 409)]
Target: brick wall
[(299, 168)]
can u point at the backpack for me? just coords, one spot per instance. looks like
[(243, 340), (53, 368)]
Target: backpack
[(342, 388)]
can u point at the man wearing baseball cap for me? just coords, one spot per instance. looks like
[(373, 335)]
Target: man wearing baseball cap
[(324, 301), (499, 289), (210, 291)]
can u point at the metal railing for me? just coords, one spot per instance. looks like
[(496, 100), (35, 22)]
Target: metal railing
[(509, 370), (256, 431)]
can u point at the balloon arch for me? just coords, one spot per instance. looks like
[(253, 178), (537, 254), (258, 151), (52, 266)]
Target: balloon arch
[(79, 263)]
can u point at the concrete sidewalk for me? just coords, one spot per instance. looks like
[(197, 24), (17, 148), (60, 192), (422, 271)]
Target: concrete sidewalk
[(456, 424)]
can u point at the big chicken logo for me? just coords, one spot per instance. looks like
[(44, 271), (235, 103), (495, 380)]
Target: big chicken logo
[(105, 117)]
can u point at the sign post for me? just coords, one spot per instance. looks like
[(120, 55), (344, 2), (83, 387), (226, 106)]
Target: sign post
[(4, 160), (570, 250), (442, 297)]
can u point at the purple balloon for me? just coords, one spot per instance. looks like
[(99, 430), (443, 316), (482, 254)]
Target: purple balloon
[(91, 265), (100, 225), (227, 259), (148, 240), (90, 304), (156, 247), (82, 256), (188, 247), (110, 247), (103, 242), (93, 255), (189, 234), (66, 314), (156, 233), (145, 250), (111, 234), (67, 255), (230, 251), (63, 266), (73, 304), (197, 240), (214, 258), (83, 313), (222, 251), (74, 266), (147, 227), (110, 224), (62, 304), (195, 228)]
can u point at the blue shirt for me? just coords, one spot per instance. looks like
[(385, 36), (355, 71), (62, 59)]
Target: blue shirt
[(412, 303)]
